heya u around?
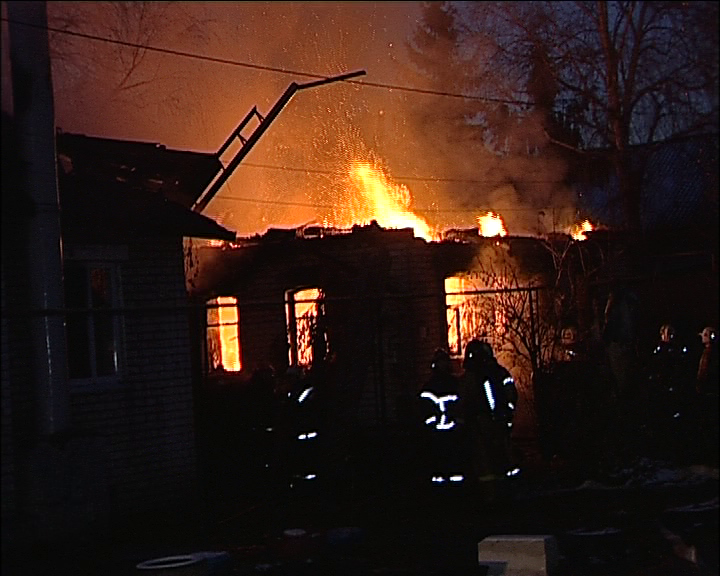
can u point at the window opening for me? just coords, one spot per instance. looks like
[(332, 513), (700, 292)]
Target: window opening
[(93, 326), (470, 315), (305, 314), (223, 342)]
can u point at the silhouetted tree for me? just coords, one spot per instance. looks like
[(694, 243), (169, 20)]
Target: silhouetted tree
[(595, 75), (122, 68)]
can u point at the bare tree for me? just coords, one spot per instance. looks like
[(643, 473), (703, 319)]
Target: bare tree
[(595, 75), (108, 45)]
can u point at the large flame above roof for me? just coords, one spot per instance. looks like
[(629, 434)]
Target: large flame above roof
[(375, 197), (491, 224), (578, 230)]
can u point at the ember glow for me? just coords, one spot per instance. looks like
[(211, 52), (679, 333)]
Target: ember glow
[(491, 224), (578, 231), (471, 314), (223, 325), (384, 201), (303, 310), (463, 322)]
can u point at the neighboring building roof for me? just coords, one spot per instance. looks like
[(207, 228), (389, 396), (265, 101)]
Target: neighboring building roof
[(93, 209), (111, 188), (179, 175)]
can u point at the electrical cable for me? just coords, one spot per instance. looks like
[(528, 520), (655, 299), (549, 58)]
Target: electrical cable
[(265, 68)]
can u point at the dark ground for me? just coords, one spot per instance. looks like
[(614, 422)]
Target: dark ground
[(645, 520)]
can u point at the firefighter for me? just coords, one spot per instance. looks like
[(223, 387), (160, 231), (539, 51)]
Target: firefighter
[(491, 400), (443, 431), (573, 409), (668, 393), (300, 426), (706, 385)]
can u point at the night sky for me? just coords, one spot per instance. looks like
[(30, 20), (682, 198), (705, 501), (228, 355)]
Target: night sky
[(298, 172)]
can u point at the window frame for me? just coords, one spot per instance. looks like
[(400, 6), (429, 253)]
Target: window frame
[(291, 322), (210, 304), (89, 258)]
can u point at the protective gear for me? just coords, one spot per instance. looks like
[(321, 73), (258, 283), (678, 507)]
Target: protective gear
[(491, 408), (443, 433), (440, 395), (706, 386), (668, 393), (571, 349), (477, 351), (495, 383), (667, 333), (569, 336), (708, 335), (302, 436)]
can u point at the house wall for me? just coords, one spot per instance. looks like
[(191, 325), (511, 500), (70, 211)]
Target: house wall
[(8, 465), (18, 416), (130, 446), (384, 310), (144, 428)]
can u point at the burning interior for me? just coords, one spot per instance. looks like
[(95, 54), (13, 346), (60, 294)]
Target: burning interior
[(375, 293)]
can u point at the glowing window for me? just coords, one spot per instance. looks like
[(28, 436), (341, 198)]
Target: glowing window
[(463, 313), (470, 314), (223, 343), (305, 324)]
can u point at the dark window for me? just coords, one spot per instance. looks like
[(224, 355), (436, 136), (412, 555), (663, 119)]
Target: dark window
[(93, 323)]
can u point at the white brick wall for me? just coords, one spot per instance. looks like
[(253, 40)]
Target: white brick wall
[(147, 422)]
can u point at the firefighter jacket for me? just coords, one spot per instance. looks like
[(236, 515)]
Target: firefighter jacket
[(440, 402), (707, 374), (493, 391), (669, 367)]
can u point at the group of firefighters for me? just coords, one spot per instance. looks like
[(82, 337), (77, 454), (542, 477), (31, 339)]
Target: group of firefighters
[(664, 401), (464, 422), (681, 393), (467, 418), (464, 417)]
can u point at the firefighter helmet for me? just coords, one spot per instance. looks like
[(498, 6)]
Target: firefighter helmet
[(709, 334), (667, 332), (440, 359), (569, 336), (478, 350)]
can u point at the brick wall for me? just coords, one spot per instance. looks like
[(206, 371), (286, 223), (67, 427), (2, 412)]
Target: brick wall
[(146, 422), (8, 454), (382, 333)]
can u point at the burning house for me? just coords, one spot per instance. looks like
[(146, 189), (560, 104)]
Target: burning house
[(373, 302), (376, 293)]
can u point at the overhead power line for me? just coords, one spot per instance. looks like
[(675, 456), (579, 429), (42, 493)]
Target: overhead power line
[(414, 209), (399, 178), (261, 67)]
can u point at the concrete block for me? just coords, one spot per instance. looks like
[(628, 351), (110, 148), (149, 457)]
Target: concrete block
[(518, 555)]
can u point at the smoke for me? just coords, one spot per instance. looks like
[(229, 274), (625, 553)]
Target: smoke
[(297, 172)]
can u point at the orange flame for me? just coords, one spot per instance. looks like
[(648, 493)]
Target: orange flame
[(469, 314), (578, 230), (305, 314), (229, 343), (459, 322), (491, 224), (384, 201)]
